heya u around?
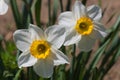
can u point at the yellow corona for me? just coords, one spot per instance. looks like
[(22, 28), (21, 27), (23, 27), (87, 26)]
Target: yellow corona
[(40, 49), (84, 26)]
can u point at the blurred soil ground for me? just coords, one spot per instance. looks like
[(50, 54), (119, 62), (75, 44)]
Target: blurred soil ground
[(7, 25)]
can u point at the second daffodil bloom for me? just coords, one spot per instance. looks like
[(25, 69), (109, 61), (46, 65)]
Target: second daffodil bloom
[(40, 49), (82, 25), (3, 7)]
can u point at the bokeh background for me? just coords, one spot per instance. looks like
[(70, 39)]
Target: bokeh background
[(109, 7)]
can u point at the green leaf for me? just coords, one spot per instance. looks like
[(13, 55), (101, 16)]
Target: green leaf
[(1, 37), (111, 62), (59, 73), (113, 31), (61, 5), (84, 2), (55, 10), (112, 47), (72, 63), (99, 2), (95, 74), (18, 74), (26, 13), (49, 12), (7, 74), (16, 14), (38, 12), (111, 17), (68, 5), (111, 54), (118, 52), (97, 55), (2, 67)]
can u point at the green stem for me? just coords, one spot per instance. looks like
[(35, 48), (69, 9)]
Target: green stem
[(73, 63)]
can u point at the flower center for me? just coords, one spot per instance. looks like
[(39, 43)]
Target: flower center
[(84, 26), (40, 49)]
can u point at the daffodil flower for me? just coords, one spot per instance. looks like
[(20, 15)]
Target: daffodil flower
[(40, 48), (83, 25), (3, 7)]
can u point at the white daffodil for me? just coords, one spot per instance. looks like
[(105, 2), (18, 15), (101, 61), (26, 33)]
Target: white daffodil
[(3, 7), (82, 25), (40, 49)]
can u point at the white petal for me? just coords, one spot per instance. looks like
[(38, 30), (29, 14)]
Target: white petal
[(3, 7), (59, 57), (22, 39), (36, 32), (100, 28), (44, 68), (94, 12), (72, 37), (79, 10), (56, 35), (96, 35), (66, 19), (7, 1), (26, 59), (86, 43)]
